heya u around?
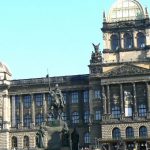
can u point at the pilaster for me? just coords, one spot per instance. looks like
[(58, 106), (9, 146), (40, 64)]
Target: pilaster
[(33, 109), (21, 110), (148, 96), (121, 98), (13, 112), (44, 107), (108, 99), (134, 97), (104, 101)]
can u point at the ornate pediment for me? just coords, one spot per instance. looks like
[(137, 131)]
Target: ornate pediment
[(126, 70)]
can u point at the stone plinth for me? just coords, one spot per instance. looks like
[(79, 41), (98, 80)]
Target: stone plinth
[(54, 136)]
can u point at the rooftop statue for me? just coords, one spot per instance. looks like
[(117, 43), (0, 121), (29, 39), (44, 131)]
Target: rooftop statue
[(96, 56)]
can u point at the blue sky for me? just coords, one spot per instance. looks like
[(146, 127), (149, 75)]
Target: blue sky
[(36, 35)]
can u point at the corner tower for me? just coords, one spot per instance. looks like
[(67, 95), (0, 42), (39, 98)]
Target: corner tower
[(126, 35)]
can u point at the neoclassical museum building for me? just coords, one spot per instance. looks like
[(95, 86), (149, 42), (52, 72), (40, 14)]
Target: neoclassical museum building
[(110, 106)]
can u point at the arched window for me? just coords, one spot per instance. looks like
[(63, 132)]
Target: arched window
[(26, 141), (39, 119), (128, 41), (114, 42), (129, 132), (14, 142), (143, 131), (116, 133), (142, 110), (86, 116), (75, 117), (27, 120), (87, 138), (116, 112), (141, 40)]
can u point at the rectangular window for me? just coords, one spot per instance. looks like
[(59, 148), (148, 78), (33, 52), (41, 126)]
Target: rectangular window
[(86, 116), (74, 97), (27, 101), (97, 94), (65, 98), (49, 99), (97, 115), (86, 96), (17, 101), (39, 99)]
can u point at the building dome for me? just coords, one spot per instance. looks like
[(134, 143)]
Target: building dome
[(123, 10)]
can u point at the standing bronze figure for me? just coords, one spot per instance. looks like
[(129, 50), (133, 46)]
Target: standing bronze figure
[(75, 139), (40, 137)]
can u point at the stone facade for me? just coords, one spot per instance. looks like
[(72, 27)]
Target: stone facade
[(110, 106)]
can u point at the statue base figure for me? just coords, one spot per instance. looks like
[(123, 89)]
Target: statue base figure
[(56, 136)]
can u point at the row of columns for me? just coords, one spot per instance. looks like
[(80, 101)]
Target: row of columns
[(107, 102), (21, 109)]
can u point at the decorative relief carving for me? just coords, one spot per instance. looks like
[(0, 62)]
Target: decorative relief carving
[(126, 70)]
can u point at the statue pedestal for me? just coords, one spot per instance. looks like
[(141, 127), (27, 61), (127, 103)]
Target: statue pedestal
[(53, 137)]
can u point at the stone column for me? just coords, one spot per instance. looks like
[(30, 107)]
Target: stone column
[(134, 98), (13, 111), (6, 111), (108, 99), (121, 41), (44, 107), (21, 110), (135, 38), (33, 109), (104, 101), (148, 96), (122, 99)]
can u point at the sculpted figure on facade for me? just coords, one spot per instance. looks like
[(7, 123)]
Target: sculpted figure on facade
[(128, 98), (115, 99), (96, 56)]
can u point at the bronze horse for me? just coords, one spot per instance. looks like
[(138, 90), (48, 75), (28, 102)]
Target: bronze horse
[(57, 104)]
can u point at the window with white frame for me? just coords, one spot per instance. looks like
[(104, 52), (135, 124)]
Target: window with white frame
[(27, 120), (142, 110), (86, 96), (65, 98), (86, 116), (64, 116), (17, 101), (27, 101), (98, 115), (49, 99), (87, 138), (97, 94), (39, 99), (74, 97), (75, 117), (39, 119)]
